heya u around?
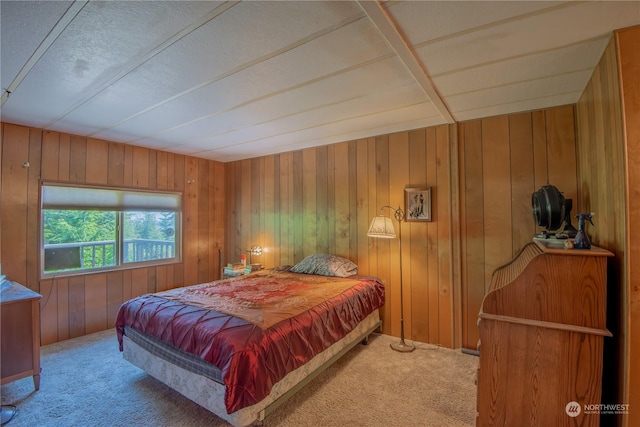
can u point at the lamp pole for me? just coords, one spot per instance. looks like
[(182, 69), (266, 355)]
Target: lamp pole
[(402, 346)]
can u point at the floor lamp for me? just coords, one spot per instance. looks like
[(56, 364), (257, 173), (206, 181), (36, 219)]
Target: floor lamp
[(382, 227)]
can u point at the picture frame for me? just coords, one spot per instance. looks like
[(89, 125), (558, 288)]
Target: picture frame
[(417, 204)]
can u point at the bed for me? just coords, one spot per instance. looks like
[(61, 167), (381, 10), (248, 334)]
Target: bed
[(240, 347)]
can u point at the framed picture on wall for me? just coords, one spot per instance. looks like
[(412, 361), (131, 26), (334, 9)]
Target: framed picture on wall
[(417, 203)]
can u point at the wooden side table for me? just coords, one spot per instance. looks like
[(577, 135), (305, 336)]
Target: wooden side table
[(19, 334)]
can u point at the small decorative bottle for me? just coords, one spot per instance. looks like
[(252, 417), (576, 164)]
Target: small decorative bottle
[(582, 240)]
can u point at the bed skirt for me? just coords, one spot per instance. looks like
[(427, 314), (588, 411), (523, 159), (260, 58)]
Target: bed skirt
[(210, 394)]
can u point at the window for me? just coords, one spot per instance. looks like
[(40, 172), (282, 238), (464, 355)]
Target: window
[(89, 229)]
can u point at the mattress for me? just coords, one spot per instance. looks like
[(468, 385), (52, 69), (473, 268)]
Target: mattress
[(253, 330), (210, 394)]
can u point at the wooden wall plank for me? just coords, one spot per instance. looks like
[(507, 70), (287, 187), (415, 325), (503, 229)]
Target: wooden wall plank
[(50, 152), (33, 209), (139, 282), (443, 195), (15, 178), (114, 296), (374, 205), (153, 169), (77, 159), (433, 290), (362, 206), (243, 203), (95, 303), (297, 202), (418, 241), (353, 201), (77, 321), (64, 320), (204, 220), (64, 154), (127, 178), (309, 205), (267, 259), (601, 166), (115, 167), (340, 215), (277, 211), (473, 233), (323, 234), (190, 230), (561, 150), (383, 246), (332, 241), (218, 215), (97, 161), (162, 170), (48, 312), (497, 195), (628, 41), (287, 242), (140, 167), (522, 179)]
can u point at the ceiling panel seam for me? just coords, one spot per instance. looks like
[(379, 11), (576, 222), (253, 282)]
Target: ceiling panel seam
[(519, 101), (307, 110), (515, 82), (49, 39), (522, 55), (359, 116), (497, 23), (238, 69), (271, 94), (141, 60), (385, 24)]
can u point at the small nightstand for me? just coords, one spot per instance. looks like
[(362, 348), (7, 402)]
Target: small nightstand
[(229, 272), (20, 333)]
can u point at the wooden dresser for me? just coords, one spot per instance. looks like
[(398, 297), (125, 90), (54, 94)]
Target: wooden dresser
[(20, 334), (542, 328)]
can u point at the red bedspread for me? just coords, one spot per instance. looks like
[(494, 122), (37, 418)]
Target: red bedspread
[(253, 359)]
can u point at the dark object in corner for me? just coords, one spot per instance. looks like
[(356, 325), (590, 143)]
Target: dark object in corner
[(550, 210), (582, 240), (8, 412)]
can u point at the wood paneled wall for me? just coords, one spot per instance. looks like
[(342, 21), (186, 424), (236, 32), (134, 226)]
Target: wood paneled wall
[(503, 160), (601, 190), (322, 200), (629, 58), (79, 305)]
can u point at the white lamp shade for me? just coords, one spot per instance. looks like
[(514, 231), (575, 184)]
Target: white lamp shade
[(382, 227)]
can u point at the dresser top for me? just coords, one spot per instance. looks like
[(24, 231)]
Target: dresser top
[(16, 292), (556, 247)]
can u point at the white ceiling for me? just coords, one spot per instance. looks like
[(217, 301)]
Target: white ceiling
[(233, 80)]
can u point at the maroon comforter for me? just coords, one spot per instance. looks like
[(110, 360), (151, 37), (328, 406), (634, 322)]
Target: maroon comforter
[(252, 359)]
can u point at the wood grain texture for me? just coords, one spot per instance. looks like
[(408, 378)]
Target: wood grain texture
[(541, 329), (606, 187), (516, 373), (502, 160), (325, 198), (88, 303), (629, 57)]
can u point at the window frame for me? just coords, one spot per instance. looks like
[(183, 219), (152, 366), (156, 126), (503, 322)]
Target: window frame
[(119, 211)]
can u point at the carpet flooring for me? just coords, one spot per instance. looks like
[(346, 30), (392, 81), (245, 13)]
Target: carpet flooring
[(85, 382)]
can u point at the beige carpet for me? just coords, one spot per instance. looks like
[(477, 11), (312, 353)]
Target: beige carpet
[(85, 382)]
